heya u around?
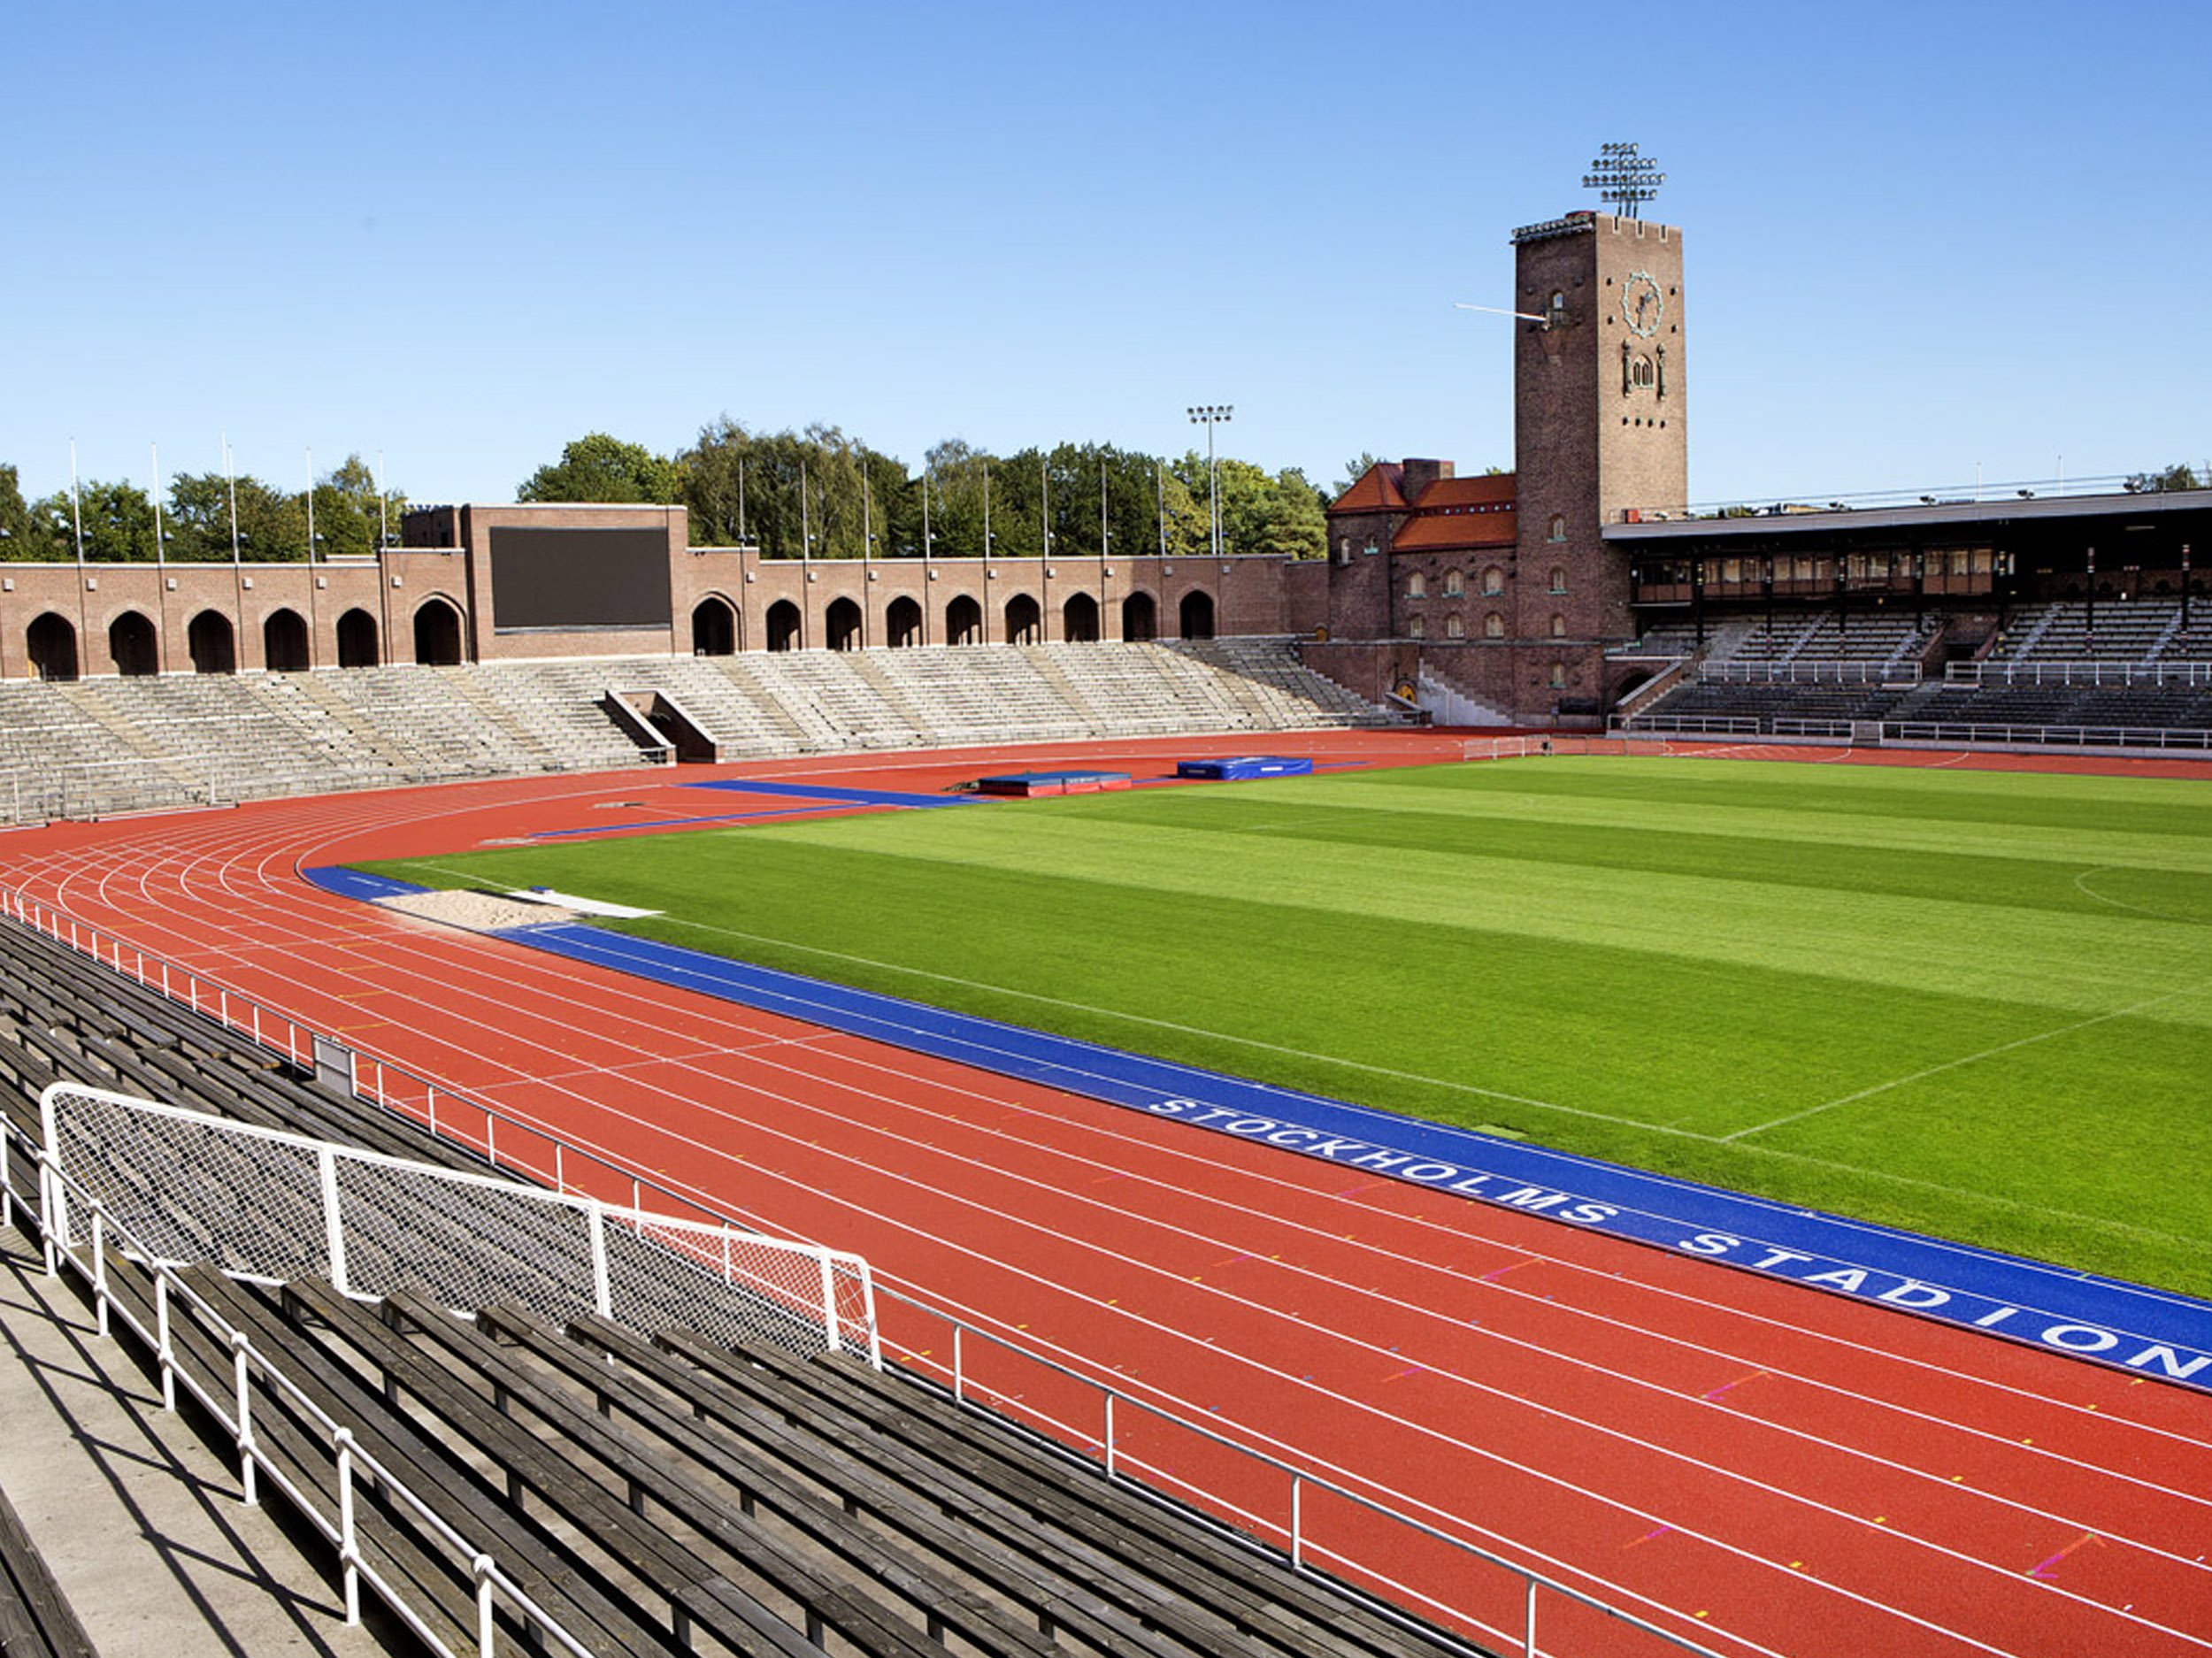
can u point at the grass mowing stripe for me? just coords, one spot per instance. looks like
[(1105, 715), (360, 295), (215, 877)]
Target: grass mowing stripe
[(1935, 1020)]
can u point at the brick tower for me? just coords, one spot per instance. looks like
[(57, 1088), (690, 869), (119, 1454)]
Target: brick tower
[(1600, 427)]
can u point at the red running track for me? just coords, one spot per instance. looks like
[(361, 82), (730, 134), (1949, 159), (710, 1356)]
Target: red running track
[(1764, 1467)]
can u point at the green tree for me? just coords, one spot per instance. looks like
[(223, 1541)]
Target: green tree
[(2181, 475), (118, 520), (24, 534), (347, 510), (1355, 469), (596, 467)]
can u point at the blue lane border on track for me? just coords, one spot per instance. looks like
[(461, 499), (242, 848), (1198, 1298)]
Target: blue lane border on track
[(835, 793), (2147, 1332)]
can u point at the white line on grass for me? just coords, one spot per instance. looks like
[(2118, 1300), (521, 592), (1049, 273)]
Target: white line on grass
[(1965, 1059)]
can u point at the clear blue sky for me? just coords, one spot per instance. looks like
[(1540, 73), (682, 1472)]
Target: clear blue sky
[(1920, 237)]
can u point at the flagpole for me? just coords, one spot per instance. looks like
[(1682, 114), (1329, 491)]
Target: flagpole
[(76, 506), (161, 546)]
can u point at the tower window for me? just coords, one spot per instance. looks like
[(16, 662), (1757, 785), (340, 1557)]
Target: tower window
[(1642, 374), (1417, 629), (1455, 584), (1558, 626), (1557, 531), (1417, 585), (1558, 579), (1559, 676), (1494, 625), (1493, 581), (1455, 628)]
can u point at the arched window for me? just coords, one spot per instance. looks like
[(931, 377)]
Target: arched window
[(1558, 626), (1023, 620), (1494, 625), (1416, 628), (1455, 628), (1493, 581), (1198, 614), (208, 638), (1140, 618), (1559, 676), (1640, 374), (1079, 620), (1455, 584), (1556, 530), (784, 622), (1558, 579), (840, 624), (1417, 585), (713, 628), (52, 642), (131, 643), (1558, 307), (903, 623), (357, 640)]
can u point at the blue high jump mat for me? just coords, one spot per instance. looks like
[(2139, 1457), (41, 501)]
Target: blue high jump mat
[(1242, 768)]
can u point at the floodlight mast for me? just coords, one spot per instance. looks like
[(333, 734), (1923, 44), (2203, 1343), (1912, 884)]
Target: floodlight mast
[(1624, 177)]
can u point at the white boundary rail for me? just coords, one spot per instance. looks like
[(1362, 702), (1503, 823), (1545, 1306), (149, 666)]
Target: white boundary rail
[(496, 1135), (1809, 672), (271, 1206), (255, 1375), (2085, 672)]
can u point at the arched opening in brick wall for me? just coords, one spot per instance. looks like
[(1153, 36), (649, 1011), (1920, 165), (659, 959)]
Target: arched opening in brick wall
[(713, 627), (840, 626), (51, 641), (964, 622), (1023, 620), (1079, 620), (284, 642), (213, 646), (903, 624), (1140, 618), (784, 623), (1198, 614), (133, 646), (437, 635), (357, 640)]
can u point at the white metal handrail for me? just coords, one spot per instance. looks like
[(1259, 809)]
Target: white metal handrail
[(1818, 671), (234, 1413), (2088, 672)]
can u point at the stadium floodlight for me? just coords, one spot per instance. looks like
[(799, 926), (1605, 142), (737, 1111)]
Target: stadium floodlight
[(1210, 415), (1623, 177)]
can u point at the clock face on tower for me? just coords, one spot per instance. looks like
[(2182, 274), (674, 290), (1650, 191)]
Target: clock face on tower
[(1641, 304)]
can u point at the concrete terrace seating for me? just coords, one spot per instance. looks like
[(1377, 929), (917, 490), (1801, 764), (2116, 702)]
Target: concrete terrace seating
[(110, 745), (2139, 630)]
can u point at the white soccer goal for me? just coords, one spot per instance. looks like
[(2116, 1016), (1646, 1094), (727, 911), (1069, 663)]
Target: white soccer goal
[(271, 1206)]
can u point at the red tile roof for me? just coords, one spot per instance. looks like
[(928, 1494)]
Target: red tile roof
[(1492, 489), (1446, 532), (1376, 491)]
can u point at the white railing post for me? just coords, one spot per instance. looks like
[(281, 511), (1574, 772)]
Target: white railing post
[(829, 1305), (957, 1374), (165, 1355), (99, 1271), (349, 1548), (601, 1290), (1297, 1522), (249, 1492), (1528, 1627), (480, 1568), (1109, 1432), (334, 1222)]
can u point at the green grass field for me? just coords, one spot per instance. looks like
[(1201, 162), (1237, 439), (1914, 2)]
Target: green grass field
[(1977, 1004)]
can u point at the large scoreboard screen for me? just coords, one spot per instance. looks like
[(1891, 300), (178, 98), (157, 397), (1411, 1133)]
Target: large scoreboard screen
[(574, 579)]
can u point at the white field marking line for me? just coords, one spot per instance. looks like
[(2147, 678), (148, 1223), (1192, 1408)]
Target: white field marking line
[(1973, 1059), (2081, 884), (1525, 1401), (1739, 1313)]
